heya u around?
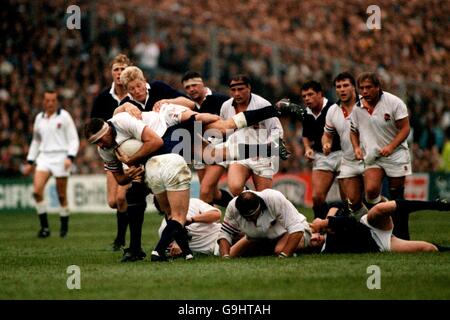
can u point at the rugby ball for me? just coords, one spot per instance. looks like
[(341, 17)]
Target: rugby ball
[(130, 147)]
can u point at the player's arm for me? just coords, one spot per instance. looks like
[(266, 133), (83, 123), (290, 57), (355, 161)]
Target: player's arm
[(309, 152), (151, 143), (403, 126), (327, 141), (33, 151), (182, 101), (210, 216), (129, 108), (73, 140), (123, 178), (291, 244), (228, 232), (354, 138), (224, 248)]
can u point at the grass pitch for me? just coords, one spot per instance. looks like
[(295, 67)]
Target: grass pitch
[(36, 269)]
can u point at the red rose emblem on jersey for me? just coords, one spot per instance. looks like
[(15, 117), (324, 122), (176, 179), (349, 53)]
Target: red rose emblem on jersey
[(58, 126), (387, 117)]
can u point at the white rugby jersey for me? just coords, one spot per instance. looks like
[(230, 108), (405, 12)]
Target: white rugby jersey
[(126, 127), (56, 133), (279, 217), (378, 129), (203, 235), (254, 134), (337, 122)]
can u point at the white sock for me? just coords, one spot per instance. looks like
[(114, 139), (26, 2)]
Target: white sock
[(41, 207), (64, 212), (374, 201)]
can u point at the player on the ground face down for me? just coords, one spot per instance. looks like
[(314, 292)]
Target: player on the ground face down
[(341, 233), (270, 224)]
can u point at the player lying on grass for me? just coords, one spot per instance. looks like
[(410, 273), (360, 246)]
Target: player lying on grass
[(343, 233), (202, 225)]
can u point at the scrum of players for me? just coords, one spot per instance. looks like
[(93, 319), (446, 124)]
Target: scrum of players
[(151, 136)]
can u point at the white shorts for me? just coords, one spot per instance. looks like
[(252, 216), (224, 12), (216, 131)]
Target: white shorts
[(262, 167), (332, 162), (397, 164), (351, 168), (381, 237), (52, 162), (167, 172), (171, 113)]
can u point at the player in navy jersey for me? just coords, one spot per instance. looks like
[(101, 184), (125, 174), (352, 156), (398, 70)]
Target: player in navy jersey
[(341, 233), (150, 96), (207, 101), (104, 105), (325, 168)]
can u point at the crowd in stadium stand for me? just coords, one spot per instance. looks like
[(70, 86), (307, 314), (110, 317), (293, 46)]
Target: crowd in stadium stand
[(315, 40)]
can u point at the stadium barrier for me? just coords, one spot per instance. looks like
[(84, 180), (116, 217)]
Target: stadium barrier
[(87, 193)]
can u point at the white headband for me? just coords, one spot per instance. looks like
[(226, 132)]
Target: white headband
[(97, 136), (192, 81), (307, 237)]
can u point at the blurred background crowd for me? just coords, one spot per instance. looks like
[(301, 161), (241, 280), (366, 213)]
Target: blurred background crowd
[(280, 44)]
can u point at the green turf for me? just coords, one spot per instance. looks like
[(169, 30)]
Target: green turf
[(34, 268)]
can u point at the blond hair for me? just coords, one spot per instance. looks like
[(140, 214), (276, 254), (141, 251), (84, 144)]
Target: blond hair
[(131, 74), (122, 59)]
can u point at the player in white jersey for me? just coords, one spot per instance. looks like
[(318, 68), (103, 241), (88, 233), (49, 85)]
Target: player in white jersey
[(203, 227), (270, 222), (161, 169), (53, 148), (261, 169), (337, 122), (379, 128)]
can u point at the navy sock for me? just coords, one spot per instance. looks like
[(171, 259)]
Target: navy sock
[(320, 211), (399, 218), (225, 198), (167, 236), (442, 248), (182, 239), (64, 223), (43, 220), (136, 220), (122, 225)]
